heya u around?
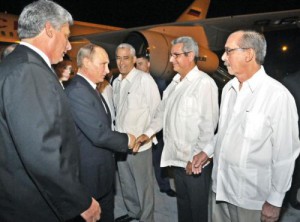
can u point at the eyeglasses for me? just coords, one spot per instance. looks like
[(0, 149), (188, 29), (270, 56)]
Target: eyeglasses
[(175, 55), (228, 50)]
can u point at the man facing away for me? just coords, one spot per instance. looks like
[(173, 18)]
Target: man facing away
[(97, 140), (161, 173), (136, 98), (257, 140), (188, 115), (39, 161)]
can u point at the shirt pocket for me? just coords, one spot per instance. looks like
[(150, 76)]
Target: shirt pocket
[(188, 107), (134, 101), (254, 125)]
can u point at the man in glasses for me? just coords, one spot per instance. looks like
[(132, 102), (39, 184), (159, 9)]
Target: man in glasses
[(188, 115), (257, 140)]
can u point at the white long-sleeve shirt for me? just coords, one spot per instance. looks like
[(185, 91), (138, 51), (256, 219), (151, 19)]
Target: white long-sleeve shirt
[(257, 143), (108, 96), (136, 98), (188, 114)]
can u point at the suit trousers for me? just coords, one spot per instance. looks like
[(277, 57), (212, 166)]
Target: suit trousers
[(107, 207), (192, 194), (136, 180), (226, 212)]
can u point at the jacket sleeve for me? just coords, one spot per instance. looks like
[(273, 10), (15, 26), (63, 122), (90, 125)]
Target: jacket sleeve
[(92, 122)]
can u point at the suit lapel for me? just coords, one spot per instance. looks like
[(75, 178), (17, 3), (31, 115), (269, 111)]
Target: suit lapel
[(95, 94)]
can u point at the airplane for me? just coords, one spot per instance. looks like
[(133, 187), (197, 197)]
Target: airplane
[(155, 40)]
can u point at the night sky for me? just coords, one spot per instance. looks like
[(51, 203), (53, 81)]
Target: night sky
[(130, 13), (134, 13)]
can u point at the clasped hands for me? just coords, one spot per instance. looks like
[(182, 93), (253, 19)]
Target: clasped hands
[(136, 143), (199, 161)]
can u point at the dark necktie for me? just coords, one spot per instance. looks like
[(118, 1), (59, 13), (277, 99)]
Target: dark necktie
[(105, 104)]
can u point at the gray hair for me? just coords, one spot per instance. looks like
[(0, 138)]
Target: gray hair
[(189, 45), (256, 41), (35, 15), (86, 51), (126, 46)]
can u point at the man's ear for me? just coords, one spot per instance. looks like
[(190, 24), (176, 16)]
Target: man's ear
[(85, 62), (250, 55), (49, 29), (191, 56)]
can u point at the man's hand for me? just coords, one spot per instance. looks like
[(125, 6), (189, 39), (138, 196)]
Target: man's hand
[(188, 168), (270, 213), (132, 141), (93, 213), (141, 140), (199, 160)]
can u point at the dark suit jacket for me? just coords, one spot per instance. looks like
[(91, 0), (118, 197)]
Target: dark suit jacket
[(39, 156), (97, 140), (292, 82)]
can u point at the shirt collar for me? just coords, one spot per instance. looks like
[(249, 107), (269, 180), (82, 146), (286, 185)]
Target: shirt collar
[(254, 82), (191, 76), (38, 51), (129, 77), (89, 81)]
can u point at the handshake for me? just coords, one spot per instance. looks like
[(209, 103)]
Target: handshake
[(136, 143)]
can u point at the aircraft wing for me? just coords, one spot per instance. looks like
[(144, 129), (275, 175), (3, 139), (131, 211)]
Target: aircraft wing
[(210, 34), (218, 29)]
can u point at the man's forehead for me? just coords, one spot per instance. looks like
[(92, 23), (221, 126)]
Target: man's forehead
[(65, 28), (141, 59), (123, 51), (177, 46), (102, 54)]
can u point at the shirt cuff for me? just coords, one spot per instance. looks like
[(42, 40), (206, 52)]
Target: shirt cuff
[(149, 133), (276, 198), (154, 140), (209, 150), (128, 140)]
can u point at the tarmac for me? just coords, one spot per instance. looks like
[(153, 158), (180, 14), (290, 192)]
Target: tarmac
[(165, 208)]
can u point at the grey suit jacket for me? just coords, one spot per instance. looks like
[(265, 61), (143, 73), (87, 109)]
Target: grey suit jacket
[(39, 155), (97, 140)]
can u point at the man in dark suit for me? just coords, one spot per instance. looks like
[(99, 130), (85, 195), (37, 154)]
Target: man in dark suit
[(94, 131), (39, 156), (292, 82)]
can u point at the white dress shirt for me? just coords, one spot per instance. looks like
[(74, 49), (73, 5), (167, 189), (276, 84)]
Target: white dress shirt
[(188, 114), (257, 143), (108, 96), (136, 98)]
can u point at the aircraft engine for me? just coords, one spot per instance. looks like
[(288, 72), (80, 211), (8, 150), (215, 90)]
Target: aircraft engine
[(158, 45)]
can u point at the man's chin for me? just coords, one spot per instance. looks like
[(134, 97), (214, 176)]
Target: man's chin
[(55, 61)]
